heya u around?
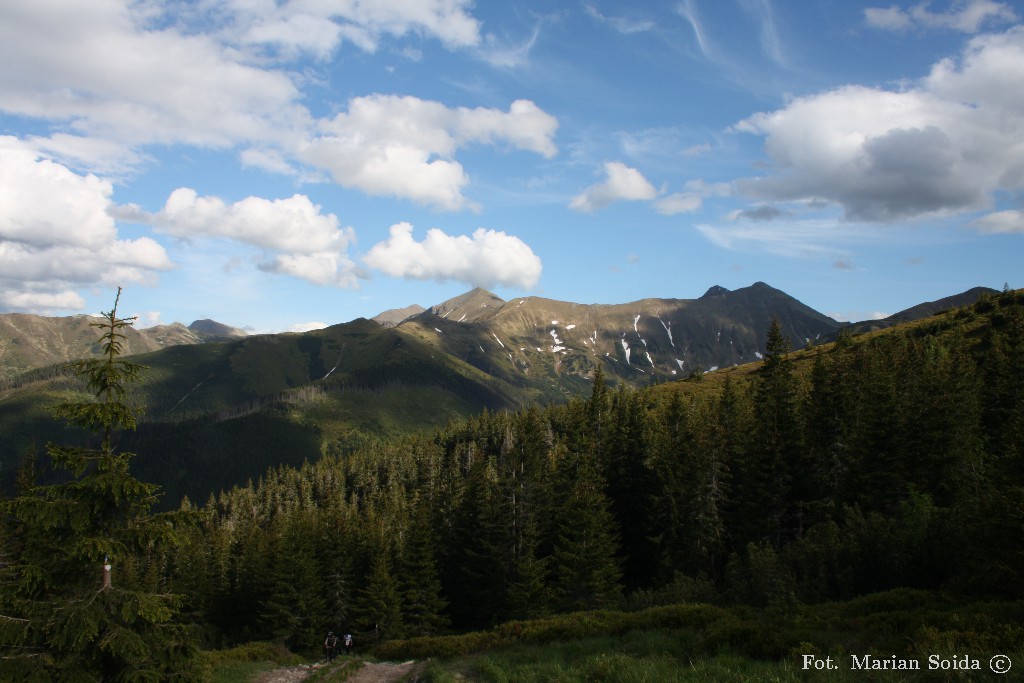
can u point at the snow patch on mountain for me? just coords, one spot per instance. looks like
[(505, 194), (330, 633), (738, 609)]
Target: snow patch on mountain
[(668, 330)]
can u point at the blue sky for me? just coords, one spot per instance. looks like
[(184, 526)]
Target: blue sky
[(288, 164)]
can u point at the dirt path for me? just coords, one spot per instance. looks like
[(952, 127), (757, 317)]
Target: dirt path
[(384, 672), (289, 674)]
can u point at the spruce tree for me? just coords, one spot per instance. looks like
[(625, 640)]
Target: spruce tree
[(584, 563), (422, 603), (72, 610)]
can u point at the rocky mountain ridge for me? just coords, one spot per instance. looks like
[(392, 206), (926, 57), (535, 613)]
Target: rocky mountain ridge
[(30, 341)]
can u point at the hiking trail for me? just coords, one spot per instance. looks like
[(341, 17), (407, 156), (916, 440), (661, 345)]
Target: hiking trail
[(379, 672)]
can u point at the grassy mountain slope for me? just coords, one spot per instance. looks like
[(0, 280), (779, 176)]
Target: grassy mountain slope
[(32, 341)]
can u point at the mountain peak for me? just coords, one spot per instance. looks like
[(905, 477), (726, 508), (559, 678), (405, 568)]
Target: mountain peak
[(715, 290), (475, 305), (208, 329)]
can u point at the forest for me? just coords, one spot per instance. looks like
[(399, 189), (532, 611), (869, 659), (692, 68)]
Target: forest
[(882, 461)]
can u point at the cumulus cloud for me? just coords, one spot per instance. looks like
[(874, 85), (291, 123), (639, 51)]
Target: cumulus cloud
[(41, 303), (963, 15), (405, 146), (303, 241), (294, 224), (56, 233), (486, 259), (622, 183), (943, 146), (325, 268)]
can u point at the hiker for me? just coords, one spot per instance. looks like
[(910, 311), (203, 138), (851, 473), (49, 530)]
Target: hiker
[(348, 643), (330, 645)]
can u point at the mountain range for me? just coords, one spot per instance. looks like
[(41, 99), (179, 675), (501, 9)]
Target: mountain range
[(30, 341), (221, 406)]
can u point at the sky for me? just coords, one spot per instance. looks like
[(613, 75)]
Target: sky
[(282, 165)]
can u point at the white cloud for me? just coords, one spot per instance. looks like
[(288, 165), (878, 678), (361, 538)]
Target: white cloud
[(41, 303), (64, 61), (310, 245), (294, 225), (1000, 222), (210, 74), (857, 316), (623, 25), (810, 238), (56, 233), (679, 202), (891, 18), (623, 183), (486, 259), (44, 203), (294, 27), (944, 146), (963, 15), (405, 146), (307, 327), (324, 268)]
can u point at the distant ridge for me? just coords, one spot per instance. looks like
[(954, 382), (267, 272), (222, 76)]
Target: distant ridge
[(31, 341), (394, 316), (924, 310)]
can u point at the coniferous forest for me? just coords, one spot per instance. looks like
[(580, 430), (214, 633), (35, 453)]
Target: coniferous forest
[(891, 460)]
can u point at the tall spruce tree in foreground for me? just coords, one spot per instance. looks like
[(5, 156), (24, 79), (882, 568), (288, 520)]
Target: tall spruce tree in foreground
[(70, 608)]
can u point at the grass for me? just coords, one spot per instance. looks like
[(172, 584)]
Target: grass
[(636, 659), (241, 664), (704, 643)]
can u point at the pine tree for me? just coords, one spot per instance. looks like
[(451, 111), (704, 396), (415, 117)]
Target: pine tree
[(70, 614)]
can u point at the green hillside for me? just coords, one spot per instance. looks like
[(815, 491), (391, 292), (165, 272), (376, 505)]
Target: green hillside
[(218, 414)]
